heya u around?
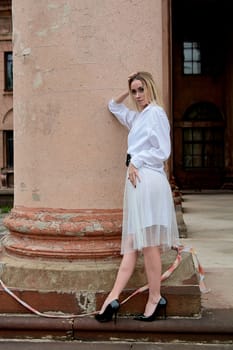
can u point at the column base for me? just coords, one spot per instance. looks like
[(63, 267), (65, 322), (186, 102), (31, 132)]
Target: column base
[(67, 261), (47, 233)]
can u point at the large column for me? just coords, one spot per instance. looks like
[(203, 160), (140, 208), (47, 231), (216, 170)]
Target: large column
[(70, 58)]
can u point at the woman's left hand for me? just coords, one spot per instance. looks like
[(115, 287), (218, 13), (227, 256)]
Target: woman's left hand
[(133, 175)]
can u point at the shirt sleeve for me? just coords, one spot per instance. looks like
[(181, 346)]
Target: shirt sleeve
[(122, 113), (159, 148)]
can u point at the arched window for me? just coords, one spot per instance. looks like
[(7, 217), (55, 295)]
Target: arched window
[(203, 137)]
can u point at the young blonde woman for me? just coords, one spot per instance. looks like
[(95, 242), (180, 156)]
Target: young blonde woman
[(149, 220)]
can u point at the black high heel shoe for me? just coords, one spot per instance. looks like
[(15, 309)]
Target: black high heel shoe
[(161, 306), (108, 313)]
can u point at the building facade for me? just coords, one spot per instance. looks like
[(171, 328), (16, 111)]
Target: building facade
[(197, 92), (6, 96), (202, 103)]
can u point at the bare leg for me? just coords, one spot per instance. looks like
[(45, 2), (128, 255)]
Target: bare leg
[(153, 266), (124, 273)]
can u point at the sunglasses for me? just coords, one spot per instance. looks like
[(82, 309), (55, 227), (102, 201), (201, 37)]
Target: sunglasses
[(140, 90)]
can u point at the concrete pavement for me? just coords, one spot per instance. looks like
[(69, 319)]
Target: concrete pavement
[(76, 345), (209, 221)]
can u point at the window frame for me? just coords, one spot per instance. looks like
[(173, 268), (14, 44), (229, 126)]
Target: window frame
[(8, 137), (203, 137), (195, 46), (8, 86), (207, 148)]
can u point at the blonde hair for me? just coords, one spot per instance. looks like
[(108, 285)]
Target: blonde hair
[(148, 82)]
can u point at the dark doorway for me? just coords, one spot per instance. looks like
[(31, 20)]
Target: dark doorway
[(201, 42)]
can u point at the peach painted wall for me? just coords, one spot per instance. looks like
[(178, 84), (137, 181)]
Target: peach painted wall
[(70, 58)]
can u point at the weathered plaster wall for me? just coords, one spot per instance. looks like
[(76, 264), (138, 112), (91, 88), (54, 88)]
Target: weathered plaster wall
[(70, 58), (6, 98)]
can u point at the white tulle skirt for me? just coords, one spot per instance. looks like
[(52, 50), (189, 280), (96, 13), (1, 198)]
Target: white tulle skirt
[(149, 217)]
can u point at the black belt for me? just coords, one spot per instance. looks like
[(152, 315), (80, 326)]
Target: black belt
[(128, 158)]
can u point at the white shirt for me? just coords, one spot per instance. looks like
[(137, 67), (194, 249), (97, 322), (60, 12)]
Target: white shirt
[(149, 137)]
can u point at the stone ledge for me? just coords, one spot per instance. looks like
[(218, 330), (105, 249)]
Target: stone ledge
[(94, 274), (213, 326), (80, 287), (182, 301)]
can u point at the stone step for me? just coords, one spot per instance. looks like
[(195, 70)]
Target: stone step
[(181, 302), (80, 287), (213, 327)]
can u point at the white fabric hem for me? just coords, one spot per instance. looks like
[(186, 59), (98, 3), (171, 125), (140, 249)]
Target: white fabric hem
[(149, 217)]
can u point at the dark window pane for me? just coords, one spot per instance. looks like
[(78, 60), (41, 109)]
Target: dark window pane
[(209, 135), (188, 134), (197, 162), (188, 44), (9, 148), (188, 161), (196, 55), (188, 149), (203, 147), (191, 58), (196, 68), (187, 55), (201, 150), (188, 69), (197, 134), (197, 149), (8, 71)]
